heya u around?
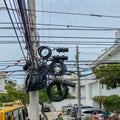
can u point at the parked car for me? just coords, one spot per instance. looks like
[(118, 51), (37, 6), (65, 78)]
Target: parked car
[(88, 113), (74, 110), (70, 109), (46, 107), (67, 109), (64, 109)]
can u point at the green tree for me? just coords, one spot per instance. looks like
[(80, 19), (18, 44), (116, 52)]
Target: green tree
[(43, 96), (109, 74), (111, 103), (13, 94)]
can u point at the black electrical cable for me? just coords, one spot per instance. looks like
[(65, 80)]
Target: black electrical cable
[(26, 27), (57, 68), (67, 29), (76, 14), (18, 15), (14, 27), (82, 14), (68, 26), (41, 54), (60, 93), (67, 37)]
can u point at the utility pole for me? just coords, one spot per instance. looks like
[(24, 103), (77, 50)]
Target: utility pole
[(34, 95), (78, 85)]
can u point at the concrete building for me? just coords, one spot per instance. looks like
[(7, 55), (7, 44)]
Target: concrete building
[(92, 87), (3, 82)]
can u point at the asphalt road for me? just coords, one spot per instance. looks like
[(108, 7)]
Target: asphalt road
[(53, 114)]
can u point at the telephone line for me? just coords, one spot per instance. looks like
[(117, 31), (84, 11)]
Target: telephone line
[(73, 13), (66, 29), (67, 37), (66, 26)]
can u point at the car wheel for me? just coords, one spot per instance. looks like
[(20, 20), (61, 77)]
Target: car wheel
[(68, 112)]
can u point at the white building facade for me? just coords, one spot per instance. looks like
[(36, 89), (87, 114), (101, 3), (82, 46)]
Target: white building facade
[(3, 82), (92, 87)]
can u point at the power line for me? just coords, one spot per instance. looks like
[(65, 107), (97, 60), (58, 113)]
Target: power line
[(63, 41), (68, 26), (73, 13), (66, 29), (67, 37), (16, 6), (14, 27), (73, 42), (79, 14)]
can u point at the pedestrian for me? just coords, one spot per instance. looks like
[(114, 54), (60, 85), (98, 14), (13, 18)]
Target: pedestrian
[(53, 119), (61, 116), (58, 118), (106, 113), (40, 117), (75, 111), (95, 115)]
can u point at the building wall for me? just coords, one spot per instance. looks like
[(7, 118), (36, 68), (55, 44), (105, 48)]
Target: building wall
[(115, 56), (3, 82), (2, 86), (106, 92), (89, 89)]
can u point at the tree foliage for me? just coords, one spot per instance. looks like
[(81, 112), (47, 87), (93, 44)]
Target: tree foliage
[(110, 75), (43, 96), (111, 103), (13, 94)]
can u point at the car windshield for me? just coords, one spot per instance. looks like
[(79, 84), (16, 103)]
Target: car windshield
[(91, 111), (86, 107)]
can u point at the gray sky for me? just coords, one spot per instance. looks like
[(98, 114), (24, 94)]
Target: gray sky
[(84, 7)]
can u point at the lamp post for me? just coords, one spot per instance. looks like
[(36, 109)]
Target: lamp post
[(78, 81)]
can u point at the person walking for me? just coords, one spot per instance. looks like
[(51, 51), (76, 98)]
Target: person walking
[(95, 115), (61, 116), (106, 115), (58, 118)]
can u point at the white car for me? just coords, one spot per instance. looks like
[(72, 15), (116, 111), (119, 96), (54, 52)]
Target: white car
[(88, 113), (72, 112)]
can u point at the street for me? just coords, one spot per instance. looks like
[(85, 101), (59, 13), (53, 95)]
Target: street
[(54, 114)]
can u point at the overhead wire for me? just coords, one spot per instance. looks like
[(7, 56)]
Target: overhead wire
[(49, 18), (18, 15), (16, 34), (65, 25), (14, 3), (42, 18), (14, 27), (66, 29), (72, 42), (71, 37), (80, 14), (75, 13), (67, 37), (68, 62), (25, 24)]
